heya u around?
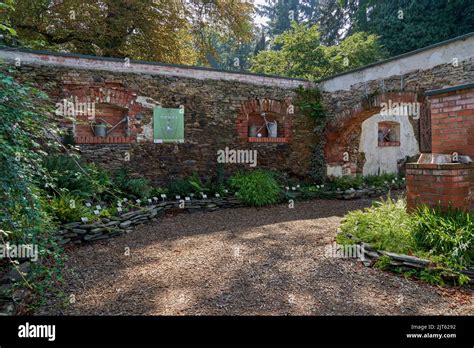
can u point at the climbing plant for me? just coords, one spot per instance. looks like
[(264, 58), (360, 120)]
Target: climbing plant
[(309, 101), (27, 134), (24, 111)]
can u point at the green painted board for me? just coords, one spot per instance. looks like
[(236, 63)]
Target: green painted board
[(168, 125)]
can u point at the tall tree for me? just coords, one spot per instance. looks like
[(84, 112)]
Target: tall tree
[(163, 30), (302, 54), (406, 25), (281, 13)]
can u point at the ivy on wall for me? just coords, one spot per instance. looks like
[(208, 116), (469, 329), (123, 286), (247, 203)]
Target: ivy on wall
[(309, 101)]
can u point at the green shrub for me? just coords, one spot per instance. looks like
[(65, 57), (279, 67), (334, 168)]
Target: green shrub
[(24, 144), (379, 180), (385, 226), (383, 262), (213, 187), (157, 192), (450, 235), (134, 187), (193, 184), (70, 175), (358, 182), (346, 182), (25, 141), (256, 188), (101, 183), (67, 176), (447, 239), (196, 184), (68, 208), (180, 187)]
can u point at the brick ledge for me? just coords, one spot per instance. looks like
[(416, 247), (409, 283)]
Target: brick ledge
[(106, 140), (267, 140)]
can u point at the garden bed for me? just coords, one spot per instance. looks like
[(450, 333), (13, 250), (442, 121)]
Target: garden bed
[(437, 247)]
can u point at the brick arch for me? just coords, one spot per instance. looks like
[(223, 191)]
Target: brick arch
[(343, 124), (110, 95), (279, 109)]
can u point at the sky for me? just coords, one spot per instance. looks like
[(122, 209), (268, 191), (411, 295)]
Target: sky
[(258, 19)]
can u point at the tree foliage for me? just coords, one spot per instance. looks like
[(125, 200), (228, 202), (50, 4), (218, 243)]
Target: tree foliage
[(402, 25), (406, 25), (282, 13), (6, 7), (302, 54), (162, 30)]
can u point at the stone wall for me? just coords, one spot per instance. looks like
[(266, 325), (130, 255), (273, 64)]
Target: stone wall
[(212, 108), (355, 96), (219, 108), (349, 109)]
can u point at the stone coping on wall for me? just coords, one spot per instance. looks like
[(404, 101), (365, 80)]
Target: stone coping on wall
[(460, 48), (449, 89), (78, 61), (440, 166)]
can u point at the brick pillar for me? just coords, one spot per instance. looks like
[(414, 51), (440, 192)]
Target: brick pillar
[(446, 185), (443, 186), (452, 121)]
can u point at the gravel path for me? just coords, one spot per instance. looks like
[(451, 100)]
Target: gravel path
[(266, 261)]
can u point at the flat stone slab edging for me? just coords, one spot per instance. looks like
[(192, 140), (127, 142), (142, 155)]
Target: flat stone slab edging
[(371, 256), (82, 232)]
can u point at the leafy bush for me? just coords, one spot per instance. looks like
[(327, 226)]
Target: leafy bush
[(135, 187), (213, 187), (379, 180), (180, 187), (448, 234), (346, 182), (196, 184), (24, 144), (193, 184), (447, 239), (385, 226), (256, 188), (68, 208), (359, 181), (68, 174)]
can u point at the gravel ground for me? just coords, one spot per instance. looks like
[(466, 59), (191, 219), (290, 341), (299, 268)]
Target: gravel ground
[(266, 261)]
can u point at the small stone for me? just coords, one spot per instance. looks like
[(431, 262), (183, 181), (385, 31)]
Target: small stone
[(71, 225), (125, 224), (112, 223), (79, 230), (14, 275), (64, 241), (7, 309)]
